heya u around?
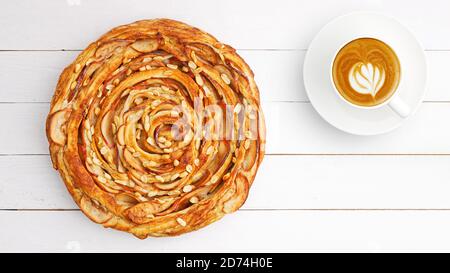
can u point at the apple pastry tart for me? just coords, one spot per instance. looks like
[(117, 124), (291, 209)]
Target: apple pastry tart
[(156, 129)]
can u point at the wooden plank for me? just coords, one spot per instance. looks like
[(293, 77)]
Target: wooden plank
[(351, 182), (424, 133), (438, 88), (30, 182), (31, 76), (24, 128), (244, 231), (296, 128), (280, 24), (283, 182)]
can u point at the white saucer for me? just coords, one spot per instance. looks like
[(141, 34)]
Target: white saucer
[(318, 82)]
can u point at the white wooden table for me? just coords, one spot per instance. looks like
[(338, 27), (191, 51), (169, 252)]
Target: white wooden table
[(318, 189)]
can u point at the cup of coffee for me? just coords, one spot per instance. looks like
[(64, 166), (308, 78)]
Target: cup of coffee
[(366, 73)]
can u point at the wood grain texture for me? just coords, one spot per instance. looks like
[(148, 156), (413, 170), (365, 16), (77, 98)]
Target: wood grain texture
[(292, 128), (281, 81), (244, 231), (282, 24), (283, 183)]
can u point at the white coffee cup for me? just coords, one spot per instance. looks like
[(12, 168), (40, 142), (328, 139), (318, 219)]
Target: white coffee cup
[(394, 102)]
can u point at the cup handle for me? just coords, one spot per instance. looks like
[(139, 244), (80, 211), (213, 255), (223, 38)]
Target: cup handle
[(400, 107)]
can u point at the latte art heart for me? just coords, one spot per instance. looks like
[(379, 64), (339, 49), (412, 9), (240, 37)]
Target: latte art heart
[(366, 72), (366, 78)]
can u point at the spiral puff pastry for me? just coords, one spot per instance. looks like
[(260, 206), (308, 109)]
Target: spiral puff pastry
[(156, 129)]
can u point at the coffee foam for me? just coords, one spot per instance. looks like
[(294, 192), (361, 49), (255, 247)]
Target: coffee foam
[(366, 72), (366, 78)]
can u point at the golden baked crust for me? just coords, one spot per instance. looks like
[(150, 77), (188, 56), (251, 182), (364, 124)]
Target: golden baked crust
[(156, 129)]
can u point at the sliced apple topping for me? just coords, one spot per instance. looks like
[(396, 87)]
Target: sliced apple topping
[(57, 126)]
